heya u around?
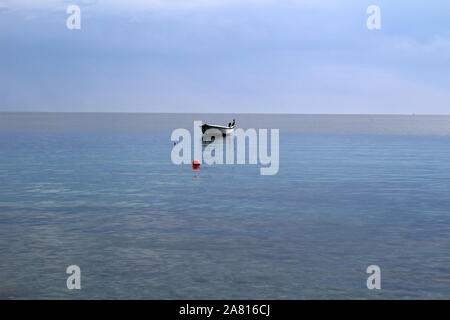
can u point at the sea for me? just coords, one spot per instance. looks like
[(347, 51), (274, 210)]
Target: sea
[(99, 191)]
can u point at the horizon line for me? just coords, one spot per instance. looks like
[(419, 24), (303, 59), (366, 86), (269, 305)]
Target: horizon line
[(219, 113)]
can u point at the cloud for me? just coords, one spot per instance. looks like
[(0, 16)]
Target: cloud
[(292, 56), (137, 5), (3, 6), (437, 44)]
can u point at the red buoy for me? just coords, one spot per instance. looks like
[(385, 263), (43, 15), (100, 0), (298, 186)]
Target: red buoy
[(195, 164)]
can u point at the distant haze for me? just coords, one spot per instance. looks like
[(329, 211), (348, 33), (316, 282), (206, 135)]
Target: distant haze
[(165, 123)]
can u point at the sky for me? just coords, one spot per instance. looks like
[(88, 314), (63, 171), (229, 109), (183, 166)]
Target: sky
[(220, 56)]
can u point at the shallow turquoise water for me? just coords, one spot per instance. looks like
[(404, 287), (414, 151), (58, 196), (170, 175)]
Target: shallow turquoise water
[(101, 192)]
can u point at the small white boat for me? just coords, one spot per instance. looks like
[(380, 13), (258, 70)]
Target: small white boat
[(225, 130)]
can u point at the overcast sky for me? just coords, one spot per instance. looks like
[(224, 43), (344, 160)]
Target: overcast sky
[(310, 56)]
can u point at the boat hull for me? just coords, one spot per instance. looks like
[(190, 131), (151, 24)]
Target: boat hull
[(224, 130)]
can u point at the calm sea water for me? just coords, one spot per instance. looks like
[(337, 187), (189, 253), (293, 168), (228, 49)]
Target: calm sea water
[(100, 191)]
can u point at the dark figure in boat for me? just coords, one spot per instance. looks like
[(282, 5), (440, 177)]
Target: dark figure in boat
[(231, 124)]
